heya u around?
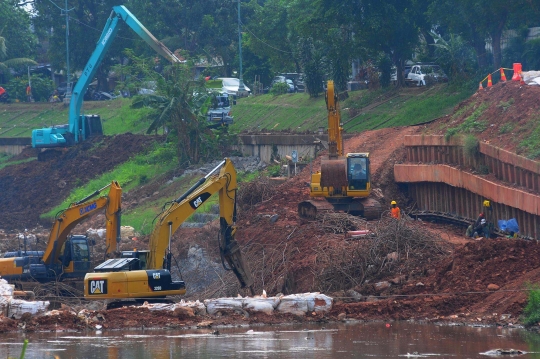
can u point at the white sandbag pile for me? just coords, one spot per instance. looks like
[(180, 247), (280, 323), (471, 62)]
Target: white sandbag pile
[(15, 308), (298, 304)]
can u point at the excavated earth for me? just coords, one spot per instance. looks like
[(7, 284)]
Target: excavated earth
[(471, 281)]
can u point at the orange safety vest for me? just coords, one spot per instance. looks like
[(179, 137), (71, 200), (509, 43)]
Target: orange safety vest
[(395, 212)]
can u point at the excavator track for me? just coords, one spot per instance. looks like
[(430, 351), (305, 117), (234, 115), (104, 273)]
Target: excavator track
[(367, 208)]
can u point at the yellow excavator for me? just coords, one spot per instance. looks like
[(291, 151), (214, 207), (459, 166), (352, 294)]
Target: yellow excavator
[(146, 274), (344, 180), (67, 257)]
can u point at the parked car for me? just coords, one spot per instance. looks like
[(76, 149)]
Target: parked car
[(426, 74), (230, 86), (102, 96)]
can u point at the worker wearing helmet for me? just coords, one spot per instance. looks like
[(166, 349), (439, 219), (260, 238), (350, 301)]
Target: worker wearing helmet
[(395, 211)]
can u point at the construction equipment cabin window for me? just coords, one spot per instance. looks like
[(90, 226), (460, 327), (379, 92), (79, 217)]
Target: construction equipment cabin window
[(357, 172)]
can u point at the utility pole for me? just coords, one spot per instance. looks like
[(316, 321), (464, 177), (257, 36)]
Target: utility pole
[(241, 87), (68, 82)]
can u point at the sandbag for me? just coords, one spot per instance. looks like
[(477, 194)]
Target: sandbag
[(198, 307), (215, 305), (264, 305), (17, 307)]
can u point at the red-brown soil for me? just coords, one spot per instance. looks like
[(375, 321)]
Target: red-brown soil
[(32, 188), (511, 114), (286, 253)]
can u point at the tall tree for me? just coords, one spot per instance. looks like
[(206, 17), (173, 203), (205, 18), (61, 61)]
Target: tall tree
[(17, 42)]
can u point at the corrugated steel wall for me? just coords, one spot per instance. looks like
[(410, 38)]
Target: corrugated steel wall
[(437, 183)]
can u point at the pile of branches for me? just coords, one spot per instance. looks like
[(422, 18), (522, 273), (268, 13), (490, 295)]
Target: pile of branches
[(334, 222), (393, 248), (58, 293), (269, 267), (256, 191)]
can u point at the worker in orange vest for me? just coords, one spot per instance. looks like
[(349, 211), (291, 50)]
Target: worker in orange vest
[(395, 211)]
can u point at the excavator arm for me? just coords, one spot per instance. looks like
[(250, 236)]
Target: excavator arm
[(119, 14), (142, 274), (67, 219), (184, 206)]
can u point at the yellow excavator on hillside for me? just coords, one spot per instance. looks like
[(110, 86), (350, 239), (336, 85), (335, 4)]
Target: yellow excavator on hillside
[(67, 257), (146, 274), (344, 180)]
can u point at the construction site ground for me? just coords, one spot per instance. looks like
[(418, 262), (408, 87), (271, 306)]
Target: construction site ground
[(467, 280)]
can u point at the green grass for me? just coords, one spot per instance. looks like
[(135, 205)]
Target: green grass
[(19, 119), (128, 175), (292, 112), (299, 113), (530, 145), (531, 312), (471, 123)]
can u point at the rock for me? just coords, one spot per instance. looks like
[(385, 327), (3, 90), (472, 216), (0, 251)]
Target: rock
[(371, 299), (130, 324), (274, 218), (398, 280), (183, 312), (205, 324), (431, 271), (419, 284), (392, 257), (493, 287), (354, 294), (382, 285), (341, 316)]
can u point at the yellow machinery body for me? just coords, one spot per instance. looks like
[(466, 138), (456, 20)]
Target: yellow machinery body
[(66, 256), (344, 181), (150, 270)]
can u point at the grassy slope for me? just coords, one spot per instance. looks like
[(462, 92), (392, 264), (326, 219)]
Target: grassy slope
[(19, 119), (292, 112)]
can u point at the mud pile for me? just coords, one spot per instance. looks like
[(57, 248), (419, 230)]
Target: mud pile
[(32, 188), (502, 115)]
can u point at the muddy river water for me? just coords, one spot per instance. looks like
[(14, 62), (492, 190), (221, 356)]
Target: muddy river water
[(343, 340)]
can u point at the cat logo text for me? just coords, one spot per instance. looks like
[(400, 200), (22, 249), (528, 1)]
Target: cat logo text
[(97, 286)]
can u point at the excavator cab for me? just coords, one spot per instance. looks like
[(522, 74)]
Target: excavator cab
[(75, 257), (358, 171)]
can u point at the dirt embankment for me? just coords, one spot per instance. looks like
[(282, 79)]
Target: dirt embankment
[(32, 188), (466, 281)]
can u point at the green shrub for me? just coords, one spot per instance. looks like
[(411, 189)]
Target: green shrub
[(471, 146), (531, 312), (506, 128), (279, 88), (274, 171)]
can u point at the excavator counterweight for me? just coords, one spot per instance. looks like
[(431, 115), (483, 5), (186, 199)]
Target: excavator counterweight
[(344, 181)]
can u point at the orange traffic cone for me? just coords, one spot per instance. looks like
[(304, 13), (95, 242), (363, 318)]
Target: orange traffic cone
[(490, 83), (480, 87), (503, 76), (517, 72)]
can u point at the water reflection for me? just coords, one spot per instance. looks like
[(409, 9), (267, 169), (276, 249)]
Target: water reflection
[(371, 340)]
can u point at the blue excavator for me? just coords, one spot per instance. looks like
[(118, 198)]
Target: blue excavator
[(81, 126)]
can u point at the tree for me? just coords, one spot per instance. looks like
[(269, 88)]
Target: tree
[(87, 20), (180, 105), (17, 43)]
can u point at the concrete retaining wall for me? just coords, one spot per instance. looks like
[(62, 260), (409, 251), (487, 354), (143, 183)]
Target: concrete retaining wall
[(14, 146)]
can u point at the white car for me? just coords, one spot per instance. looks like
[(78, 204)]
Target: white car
[(230, 86)]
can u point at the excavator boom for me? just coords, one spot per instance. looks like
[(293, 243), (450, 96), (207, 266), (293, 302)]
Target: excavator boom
[(124, 279)]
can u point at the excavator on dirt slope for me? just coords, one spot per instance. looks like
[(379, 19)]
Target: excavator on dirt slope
[(67, 257), (344, 181), (146, 274), (82, 127)]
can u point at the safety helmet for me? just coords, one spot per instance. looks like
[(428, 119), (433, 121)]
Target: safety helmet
[(481, 215), (393, 202)]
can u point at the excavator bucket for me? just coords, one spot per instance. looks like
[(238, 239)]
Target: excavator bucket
[(334, 173)]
